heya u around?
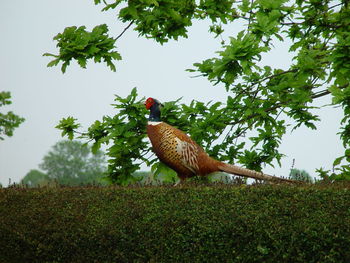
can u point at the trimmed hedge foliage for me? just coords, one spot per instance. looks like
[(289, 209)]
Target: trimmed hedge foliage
[(181, 224)]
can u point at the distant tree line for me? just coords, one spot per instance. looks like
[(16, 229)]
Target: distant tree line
[(71, 163), (68, 163)]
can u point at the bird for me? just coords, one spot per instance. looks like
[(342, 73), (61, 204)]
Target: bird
[(178, 151)]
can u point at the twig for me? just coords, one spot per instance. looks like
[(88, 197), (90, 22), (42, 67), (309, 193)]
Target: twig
[(331, 7), (124, 30), (274, 75), (243, 17), (250, 13), (197, 76), (325, 92)]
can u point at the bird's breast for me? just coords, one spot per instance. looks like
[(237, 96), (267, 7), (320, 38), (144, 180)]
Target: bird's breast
[(171, 150)]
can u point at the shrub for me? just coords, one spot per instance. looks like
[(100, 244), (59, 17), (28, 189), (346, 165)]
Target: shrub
[(176, 224)]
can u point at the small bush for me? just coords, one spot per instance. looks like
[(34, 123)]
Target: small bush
[(176, 224)]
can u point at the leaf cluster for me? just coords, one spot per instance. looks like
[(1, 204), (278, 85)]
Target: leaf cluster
[(163, 20), (124, 134), (81, 45), (8, 121)]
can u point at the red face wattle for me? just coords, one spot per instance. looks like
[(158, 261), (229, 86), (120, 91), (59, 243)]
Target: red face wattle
[(149, 102)]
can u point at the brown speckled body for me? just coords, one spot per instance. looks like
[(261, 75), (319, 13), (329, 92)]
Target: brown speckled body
[(177, 150)]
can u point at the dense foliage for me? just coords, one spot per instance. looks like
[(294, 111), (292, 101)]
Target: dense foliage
[(8, 121), (186, 224), (260, 97), (81, 45)]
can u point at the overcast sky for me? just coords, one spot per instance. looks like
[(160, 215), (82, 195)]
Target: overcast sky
[(44, 95)]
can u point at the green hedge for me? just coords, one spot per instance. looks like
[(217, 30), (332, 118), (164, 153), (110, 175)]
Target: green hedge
[(176, 224)]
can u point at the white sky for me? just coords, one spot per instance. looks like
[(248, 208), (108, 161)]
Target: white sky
[(44, 95)]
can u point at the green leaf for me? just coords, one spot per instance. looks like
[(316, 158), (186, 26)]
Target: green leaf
[(53, 63), (49, 55), (338, 161)]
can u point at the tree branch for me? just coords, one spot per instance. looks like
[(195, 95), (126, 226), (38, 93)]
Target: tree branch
[(325, 92), (274, 75), (250, 13), (122, 33)]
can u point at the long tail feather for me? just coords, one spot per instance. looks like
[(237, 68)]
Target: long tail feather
[(236, 170)]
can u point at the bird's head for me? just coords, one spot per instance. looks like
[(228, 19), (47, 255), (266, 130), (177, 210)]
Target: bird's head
[(151, 102), (154, 106)]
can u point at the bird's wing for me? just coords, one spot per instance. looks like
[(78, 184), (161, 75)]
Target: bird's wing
[(189, 154)]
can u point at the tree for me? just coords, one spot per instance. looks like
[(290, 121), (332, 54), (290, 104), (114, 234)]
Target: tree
[(8, 121), (72, 163), (35, 178), (260, 97), (301, 175)]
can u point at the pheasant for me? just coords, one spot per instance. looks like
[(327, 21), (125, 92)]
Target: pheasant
[(178, 151)]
